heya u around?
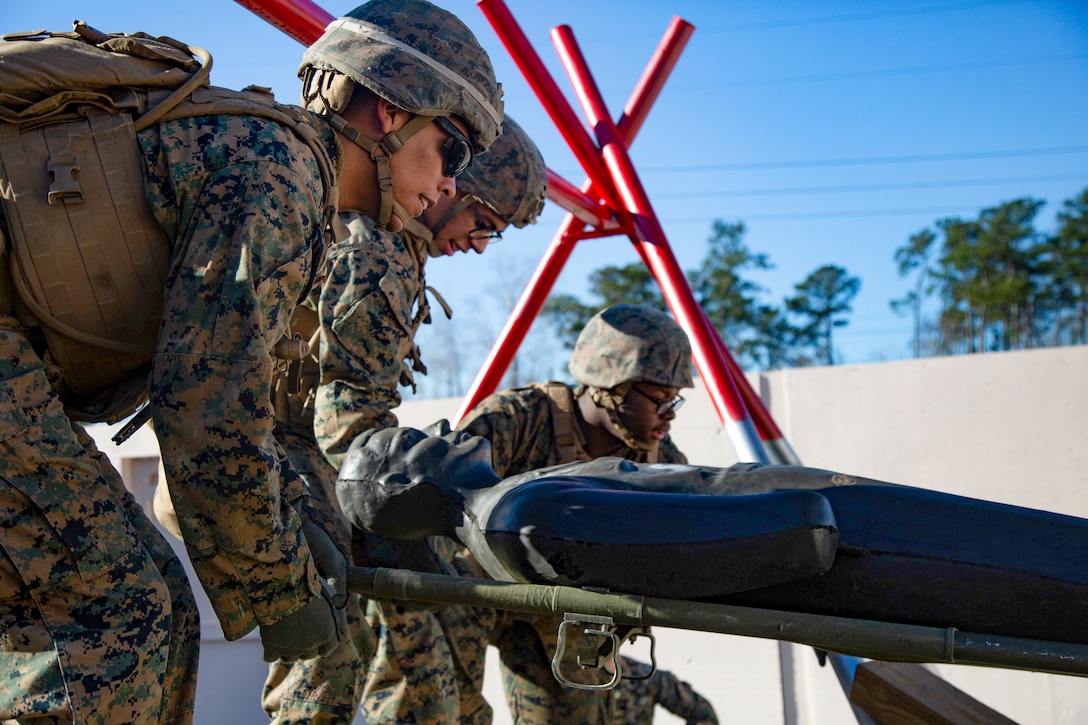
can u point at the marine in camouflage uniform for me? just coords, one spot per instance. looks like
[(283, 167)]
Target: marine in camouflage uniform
[(428, 664), (372, 303), (363, 267), (368, 299), (98, 622), (548, 424), (633, 700)]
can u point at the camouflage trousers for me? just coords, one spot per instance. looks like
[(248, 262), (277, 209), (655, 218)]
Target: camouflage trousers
[(429, 664), (532, 692), (327, 689), (98, 623)]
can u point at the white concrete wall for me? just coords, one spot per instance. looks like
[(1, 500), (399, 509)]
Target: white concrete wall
[(1006, 427)]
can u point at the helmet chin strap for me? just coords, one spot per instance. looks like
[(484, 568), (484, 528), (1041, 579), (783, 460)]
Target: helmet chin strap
[(389, 145), (611, 400), (419, 230), (422, 231)]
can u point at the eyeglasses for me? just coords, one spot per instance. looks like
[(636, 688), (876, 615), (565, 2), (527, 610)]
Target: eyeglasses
[(664, 407), (484, 229), (456, 150)]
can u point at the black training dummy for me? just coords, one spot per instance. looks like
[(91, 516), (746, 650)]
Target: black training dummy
[(783, 537)]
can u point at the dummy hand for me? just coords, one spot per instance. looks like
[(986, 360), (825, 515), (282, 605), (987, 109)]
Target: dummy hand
[(415, 554), (332, 563), (316, 629)]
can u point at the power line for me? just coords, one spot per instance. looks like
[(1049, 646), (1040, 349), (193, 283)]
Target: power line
[(855, 17), (987, 5), (902, 186), (885, 73), (866, 161), (853, 75), (841, 214)]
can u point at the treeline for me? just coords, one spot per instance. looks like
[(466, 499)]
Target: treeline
[(991, 283), (796, 333), (996, 282)]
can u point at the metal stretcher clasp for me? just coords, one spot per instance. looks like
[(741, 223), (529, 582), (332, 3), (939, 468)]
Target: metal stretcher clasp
[(598, 638)]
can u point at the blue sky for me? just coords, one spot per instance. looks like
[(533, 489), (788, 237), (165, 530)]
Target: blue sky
[(834, 130)]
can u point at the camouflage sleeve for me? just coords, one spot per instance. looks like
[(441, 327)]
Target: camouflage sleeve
[(681, 700), (670, 453), (519, 426), (365, 309), (634, 699), (245, 216)]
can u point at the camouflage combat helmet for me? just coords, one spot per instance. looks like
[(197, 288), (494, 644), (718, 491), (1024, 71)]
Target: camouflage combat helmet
[(418, 57), (510, 178), (627, 343)]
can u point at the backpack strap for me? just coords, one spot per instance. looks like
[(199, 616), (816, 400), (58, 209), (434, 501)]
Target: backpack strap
[(561, 400)]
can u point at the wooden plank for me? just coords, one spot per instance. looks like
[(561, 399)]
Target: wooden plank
[(902, 693)]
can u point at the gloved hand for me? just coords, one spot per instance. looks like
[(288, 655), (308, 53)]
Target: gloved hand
[(315, 629), (332, 564), (320, 625)]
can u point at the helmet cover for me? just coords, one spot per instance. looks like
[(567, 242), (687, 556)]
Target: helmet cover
[(628, 343), (417, 56), (510, 177)]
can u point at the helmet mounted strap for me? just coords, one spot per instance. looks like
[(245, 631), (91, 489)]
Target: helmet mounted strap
[(466, 201), (417, 229), (611, 400), (379, 152)]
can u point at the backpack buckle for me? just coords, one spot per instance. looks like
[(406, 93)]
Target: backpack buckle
[(65, 188)]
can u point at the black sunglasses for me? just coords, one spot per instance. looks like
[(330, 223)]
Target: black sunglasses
[(484, 229), (456, 150), (663, 406)]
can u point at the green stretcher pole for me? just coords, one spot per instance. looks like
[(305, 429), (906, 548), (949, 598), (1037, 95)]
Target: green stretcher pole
[(857, 637)]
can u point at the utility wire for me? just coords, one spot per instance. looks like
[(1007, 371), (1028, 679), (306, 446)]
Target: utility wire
[(797, 190), (841, 214), (883, 73), (987, 5), (865, 160)]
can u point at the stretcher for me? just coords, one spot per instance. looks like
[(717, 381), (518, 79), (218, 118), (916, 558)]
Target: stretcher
[(915, 576)]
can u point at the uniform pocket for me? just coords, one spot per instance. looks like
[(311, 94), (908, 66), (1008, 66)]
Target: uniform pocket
[(399, 303)]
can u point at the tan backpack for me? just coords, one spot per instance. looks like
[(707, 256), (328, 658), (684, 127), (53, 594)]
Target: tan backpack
[(86, 258)]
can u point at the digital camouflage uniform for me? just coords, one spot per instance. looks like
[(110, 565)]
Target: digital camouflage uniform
[(423, 60), (98, 622), (371, 303), (633, 700), (246, 221), (525, 428), (328, 688), (430, 662), (366, 291)]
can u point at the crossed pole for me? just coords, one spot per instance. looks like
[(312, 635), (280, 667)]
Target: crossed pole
[(611, 201)]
